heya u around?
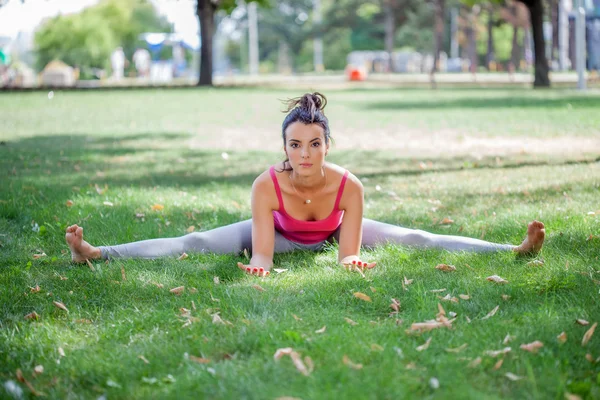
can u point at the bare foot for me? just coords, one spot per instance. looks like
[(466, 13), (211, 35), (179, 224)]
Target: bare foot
[(80, 249), (535, 239)]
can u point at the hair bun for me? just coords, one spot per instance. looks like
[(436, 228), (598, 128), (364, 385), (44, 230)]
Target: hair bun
[(311, 102)]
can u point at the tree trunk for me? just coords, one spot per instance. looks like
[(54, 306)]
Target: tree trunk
[(390, 32), (472, 41), (515, 58), (439, 8), (554, 10), (205, 10), (490, 58), (536, 14)]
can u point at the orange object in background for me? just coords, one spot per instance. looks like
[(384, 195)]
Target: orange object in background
[(355, 74)]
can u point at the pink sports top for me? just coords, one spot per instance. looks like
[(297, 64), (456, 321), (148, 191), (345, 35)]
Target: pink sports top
[(307, 232)]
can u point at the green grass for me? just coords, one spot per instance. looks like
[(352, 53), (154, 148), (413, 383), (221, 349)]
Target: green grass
[(135, 149)]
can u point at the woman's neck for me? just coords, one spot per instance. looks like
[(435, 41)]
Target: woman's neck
[(309, 183)]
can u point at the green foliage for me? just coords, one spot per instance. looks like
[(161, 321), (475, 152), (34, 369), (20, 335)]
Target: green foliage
[(87, 39)]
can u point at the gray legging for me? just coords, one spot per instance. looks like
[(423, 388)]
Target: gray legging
[(236, 237)]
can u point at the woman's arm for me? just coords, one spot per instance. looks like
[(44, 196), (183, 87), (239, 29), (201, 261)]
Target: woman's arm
[(263, 231)]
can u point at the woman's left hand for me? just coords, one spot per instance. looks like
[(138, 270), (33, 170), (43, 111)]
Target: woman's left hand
[(353, 263)]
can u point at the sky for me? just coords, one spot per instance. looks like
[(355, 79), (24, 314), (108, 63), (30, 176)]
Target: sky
[(16, 16)]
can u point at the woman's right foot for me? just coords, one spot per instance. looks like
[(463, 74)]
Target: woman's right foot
[(80, 249), (536, 234)]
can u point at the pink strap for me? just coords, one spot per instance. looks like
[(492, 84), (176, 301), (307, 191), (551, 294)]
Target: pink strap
[(277, 188), (340, 191)]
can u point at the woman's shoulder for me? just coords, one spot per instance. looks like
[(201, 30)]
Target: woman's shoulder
[(352, 182)]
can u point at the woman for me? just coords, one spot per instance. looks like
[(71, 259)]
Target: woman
[(301, 203)]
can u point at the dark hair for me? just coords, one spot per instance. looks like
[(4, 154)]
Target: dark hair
[(307, 109)]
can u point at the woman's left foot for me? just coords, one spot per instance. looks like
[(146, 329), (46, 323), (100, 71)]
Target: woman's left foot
[(535, 239)]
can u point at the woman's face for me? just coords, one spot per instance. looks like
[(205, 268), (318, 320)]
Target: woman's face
[(305, 147)]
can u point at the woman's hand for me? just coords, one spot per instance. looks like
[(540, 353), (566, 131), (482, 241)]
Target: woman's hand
[(354, 263), (253, 270)]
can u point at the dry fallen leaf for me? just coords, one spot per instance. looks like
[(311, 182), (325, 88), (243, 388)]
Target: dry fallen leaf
[(69, 203), (279, 270), (441, 311), (108, 203), (498, 364), (178, 290), (505, 297), (39, 255), (200, 360), (259, 288), (193, 290), (348, 320), (60, 305), (296, 359), (512, 376), (429, 325), (446, 221), (562, 338), (464, 296), (570, 396), (362, 296), (582, 322), (182, 256), (496, 353), (21, 378), (39, 369), (35, 289), (449, 298), (190, 229), (346, 360), (535, 263), (532, 347), (141, 357), (322, 330), (61, 352), (497, 279), (282, 352), (218, 320), (491, 313), (508, 338), (589, 357), (408, 281), (445, 267), (157, 207), (395, 305), (474, 363), (90, 265), (457, 349), (216, 280), (32, 315), (297, 318), (588, 335), (424, 346), (438, 290)]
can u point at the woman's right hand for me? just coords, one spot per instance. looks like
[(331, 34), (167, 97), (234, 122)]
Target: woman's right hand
[(253, 270)]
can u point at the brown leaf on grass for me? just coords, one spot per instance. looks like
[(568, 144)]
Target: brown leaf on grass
[(474, 363), (63, 278), (562, 338), (322, 330), (496, 279), (190, 229), (457, 349), (108, 203), (259, 288), (35, 289), (535, 263), (38, 370), (441, 311), (60, 305), (496, 353), (123, 276), (588, 335), (178, 290), (426, 326), (498, 364), (90, 265), (513, 377), (347, 361), (395, 305), (213, 299), (448, 298), (296, 359), (309, 364), (21, 378), (61, 352), (491, 313), (200, 360), (297, 318), (141, 357), (279, 270), (532, 347), (348, 320), (32, 315), (464, 296), (183, 256), (362, 296), (582, 322), (69, 203), (589, 357), (373, 289), (193, 290), (157, 207), (438, 290), (505, 297), (571, 396), (282, 352), (216, 280), (158, 285), (39, 255), (445, 267), (140, 215), (452, 314), (217, 320), (408, 281), (376, 347), (447, 221), (508, 338), (424, 346), (184, 312)]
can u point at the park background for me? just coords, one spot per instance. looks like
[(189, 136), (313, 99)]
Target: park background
[(478, 151)]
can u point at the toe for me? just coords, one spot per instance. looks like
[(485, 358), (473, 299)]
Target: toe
[(79, 231)]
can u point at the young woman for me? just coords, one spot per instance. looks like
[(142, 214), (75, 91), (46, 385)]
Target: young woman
[(301, 203)]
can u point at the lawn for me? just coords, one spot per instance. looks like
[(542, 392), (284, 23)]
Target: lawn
[(489, 160)]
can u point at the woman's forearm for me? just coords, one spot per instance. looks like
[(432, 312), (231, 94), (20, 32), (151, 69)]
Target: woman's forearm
[(261, 261)]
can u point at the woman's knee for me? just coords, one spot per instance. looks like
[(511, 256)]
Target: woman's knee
[(195, 241), (419, 237)]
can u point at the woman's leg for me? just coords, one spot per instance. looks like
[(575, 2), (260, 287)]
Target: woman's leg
[(229, 239), (376, 233)]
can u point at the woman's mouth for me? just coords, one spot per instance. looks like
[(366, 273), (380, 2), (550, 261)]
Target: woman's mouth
[(306, 165)]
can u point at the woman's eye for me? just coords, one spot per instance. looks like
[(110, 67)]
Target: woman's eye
[(294, 145), (316, 144)]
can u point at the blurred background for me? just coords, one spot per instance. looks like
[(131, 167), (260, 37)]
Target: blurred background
[(95, 43)]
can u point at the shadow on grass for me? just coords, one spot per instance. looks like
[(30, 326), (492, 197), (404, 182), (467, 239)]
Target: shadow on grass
[(575, 102)]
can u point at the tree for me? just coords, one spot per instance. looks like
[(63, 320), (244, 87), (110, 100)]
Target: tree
[(205, 11)]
